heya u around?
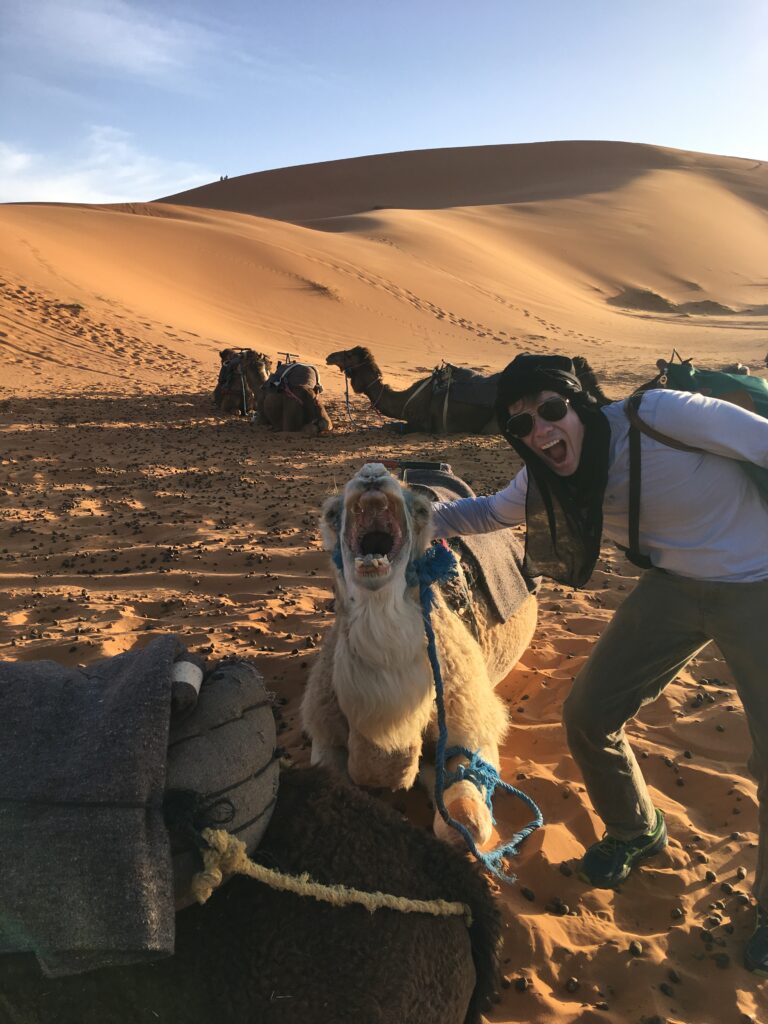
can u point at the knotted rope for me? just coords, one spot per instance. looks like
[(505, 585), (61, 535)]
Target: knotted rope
[(439, 563), (225, 854)]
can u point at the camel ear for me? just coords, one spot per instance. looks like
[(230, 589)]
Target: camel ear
[(330, 521), (421, 517)]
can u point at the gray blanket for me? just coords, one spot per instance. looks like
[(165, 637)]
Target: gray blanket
[(493, 560), (85, 857)]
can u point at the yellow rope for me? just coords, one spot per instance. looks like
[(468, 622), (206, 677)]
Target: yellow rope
[(226, 855)]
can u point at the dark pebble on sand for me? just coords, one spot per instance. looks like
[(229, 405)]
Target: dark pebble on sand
[(602, 1005), (529, 894), (636, 948), (667, 989), (677, 914), (741, 873), (735, 835), (567, 870), (572, 985), (727, 888), (710, 875), (673, 975), (522, 984), (687, 754)]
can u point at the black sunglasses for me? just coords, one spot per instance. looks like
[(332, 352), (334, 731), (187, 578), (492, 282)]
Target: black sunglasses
[(522, 423)]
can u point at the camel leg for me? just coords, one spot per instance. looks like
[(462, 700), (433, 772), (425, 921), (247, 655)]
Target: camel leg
[(466, 803), (370, 765), (334, 758)]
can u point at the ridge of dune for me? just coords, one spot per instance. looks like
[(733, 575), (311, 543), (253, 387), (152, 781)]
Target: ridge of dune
[(469, 283), (459, 176)]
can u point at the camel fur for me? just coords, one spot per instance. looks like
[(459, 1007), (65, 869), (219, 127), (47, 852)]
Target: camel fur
[(252, 953), (369, 704)]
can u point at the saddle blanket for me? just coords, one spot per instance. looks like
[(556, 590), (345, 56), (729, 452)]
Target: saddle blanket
[(495, 559)]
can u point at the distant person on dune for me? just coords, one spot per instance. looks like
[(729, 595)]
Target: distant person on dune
[(703, 530)]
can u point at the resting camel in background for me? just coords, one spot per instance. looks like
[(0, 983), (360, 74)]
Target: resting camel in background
[(369, 704), (242, 373), (452, 400), (290, 400)]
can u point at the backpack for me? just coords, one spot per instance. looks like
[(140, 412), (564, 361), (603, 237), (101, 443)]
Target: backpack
[(722, 389), (749, 392)]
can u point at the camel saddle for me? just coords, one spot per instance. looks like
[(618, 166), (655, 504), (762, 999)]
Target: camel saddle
[(465, 385), (492, 561), (294, 375)]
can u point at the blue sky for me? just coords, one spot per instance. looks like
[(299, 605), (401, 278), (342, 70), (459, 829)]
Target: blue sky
[(109, 100)]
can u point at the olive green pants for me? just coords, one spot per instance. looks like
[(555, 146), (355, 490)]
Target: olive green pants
[(663, 623)]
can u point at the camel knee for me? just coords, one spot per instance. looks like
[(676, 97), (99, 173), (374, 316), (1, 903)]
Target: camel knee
[(370, 765)]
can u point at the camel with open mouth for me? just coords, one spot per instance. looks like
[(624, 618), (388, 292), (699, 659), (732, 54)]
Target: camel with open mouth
[(369, 705)]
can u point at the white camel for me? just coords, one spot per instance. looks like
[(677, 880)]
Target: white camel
[(369, 705)]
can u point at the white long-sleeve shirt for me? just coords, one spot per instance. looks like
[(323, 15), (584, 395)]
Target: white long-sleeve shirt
[(700, 514)]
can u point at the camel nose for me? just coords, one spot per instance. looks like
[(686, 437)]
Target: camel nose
[(373, 501)]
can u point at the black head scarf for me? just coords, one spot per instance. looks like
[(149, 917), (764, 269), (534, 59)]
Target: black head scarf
[(564, 515)]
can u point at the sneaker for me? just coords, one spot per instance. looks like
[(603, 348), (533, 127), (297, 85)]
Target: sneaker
[(756, 950), (610, 861)]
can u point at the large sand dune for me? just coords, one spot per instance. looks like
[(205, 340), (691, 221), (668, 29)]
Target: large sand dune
[(129, 508)]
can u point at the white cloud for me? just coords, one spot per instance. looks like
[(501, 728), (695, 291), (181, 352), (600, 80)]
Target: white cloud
[(108, 169), (111, 35)]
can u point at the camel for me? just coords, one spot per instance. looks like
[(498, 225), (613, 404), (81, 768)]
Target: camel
[(452, 400), (290, 400), (252, 953), (242, 373), (369, 703)]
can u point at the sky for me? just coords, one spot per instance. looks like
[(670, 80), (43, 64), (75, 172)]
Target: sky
[(127, 100)]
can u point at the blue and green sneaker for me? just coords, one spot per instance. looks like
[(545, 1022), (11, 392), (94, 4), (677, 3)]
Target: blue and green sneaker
[(756, 950), (610, 861)]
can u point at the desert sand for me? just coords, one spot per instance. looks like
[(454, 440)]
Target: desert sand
[(129, 507)]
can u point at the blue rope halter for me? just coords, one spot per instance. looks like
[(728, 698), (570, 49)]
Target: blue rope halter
[(439, 563)]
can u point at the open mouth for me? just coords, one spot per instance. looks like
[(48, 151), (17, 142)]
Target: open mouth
[(556, 452), (374, 534)]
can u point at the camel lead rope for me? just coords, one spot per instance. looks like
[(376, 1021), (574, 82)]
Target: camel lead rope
[(227, 855), (439, 563)]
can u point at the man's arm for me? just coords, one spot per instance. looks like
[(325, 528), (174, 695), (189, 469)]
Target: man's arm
[(482, 515), (709, 423)]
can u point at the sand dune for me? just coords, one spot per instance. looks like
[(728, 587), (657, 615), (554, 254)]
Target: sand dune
[(130, 508)]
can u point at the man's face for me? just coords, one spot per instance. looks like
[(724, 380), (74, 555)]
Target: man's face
[(558, 444)]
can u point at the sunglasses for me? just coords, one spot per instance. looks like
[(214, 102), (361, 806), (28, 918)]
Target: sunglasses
[(521, 424)]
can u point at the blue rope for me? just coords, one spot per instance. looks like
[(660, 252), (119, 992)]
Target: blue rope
[(439, 563)]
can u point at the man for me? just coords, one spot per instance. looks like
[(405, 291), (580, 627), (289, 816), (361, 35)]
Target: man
[(704, 528)]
